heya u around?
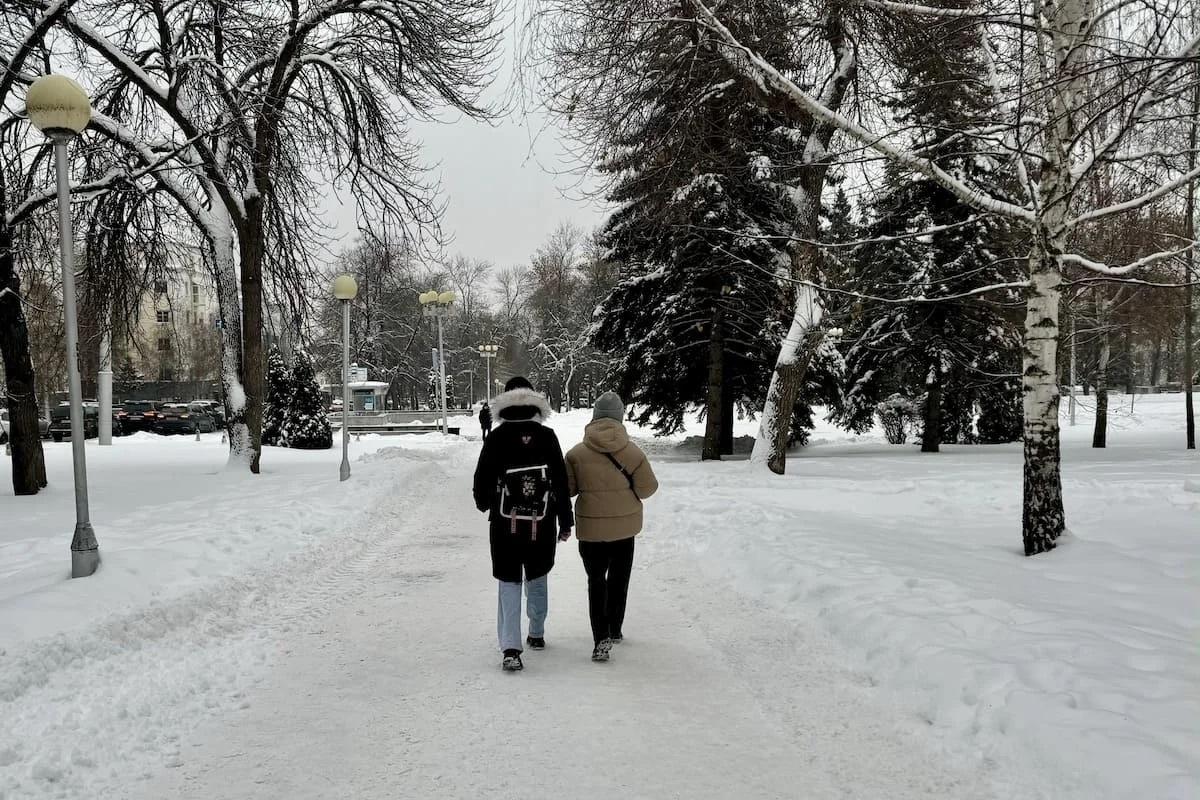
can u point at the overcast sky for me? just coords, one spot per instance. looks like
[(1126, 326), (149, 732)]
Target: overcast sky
[(503, 198), (499, 179)]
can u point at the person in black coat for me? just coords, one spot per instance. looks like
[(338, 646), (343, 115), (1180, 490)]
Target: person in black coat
[(485, 420), (521, 482)]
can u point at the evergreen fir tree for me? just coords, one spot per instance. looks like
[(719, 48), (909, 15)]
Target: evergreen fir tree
[(925, 243), (702, 232), (279, 397), (306, 426), (435, 390), (128, 377)]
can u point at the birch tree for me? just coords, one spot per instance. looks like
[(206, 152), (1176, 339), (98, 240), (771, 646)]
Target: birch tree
[(1042, 59)]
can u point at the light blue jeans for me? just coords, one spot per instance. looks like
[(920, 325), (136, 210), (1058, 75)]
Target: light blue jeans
[(508, 612)]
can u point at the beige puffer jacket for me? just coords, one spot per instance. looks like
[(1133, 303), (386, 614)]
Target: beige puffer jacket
[(607, 509)]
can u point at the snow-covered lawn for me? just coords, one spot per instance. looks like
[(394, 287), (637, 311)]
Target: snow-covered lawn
[(1070, 675), (1080, 666)]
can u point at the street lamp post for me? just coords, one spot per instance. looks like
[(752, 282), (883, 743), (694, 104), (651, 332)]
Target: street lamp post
[(59, 108), (345, 289), (489, 351), (440, 305)]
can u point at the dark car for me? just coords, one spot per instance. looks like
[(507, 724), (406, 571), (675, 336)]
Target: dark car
[(209, 416), (60, 422), (139, 415), (174, 419)]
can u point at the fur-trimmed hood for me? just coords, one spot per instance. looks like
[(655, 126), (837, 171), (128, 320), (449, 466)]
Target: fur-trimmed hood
[(521, 404)]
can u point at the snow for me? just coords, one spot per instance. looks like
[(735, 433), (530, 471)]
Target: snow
[(864, 626), (169, 518)]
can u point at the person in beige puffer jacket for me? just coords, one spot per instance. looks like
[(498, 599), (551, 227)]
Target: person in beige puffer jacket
[(611, 476)]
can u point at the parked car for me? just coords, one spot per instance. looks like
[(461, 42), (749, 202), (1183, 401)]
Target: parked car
[(60, 421), (174, 418), (209, 417), (139, 415), (43, 426), (213, 408)]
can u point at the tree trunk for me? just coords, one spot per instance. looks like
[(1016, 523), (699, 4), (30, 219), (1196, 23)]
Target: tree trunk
[(1173, 369), (1156, 360), (28, 461), (727, 415), (1100, 432), (1043, 519), (1189, 308), (1189, 365), (791, 368), (233, 394), (715, 406), (931, 434), (804, 334), (1130, 383)]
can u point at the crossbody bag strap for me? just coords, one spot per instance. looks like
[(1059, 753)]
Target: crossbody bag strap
[(624, 471)]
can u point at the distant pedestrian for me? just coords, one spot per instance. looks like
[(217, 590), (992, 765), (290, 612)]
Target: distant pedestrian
[(521, 482), (485, 420), (612, 476)]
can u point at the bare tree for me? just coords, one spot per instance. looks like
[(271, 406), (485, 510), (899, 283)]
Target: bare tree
[(257, 100)]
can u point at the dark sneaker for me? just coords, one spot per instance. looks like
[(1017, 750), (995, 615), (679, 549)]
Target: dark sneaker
[(536, 642), (512, 661), (616, 638), (602, 649)]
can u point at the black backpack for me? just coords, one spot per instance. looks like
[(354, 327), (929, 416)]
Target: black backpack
[(525, 496)]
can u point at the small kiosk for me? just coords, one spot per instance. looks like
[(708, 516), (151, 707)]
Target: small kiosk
[(368, 396)]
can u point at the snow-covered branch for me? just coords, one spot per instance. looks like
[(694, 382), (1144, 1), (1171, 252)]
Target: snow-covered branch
[(757, 69)]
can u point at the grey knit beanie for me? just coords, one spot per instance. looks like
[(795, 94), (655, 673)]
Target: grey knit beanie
[(609, 406)]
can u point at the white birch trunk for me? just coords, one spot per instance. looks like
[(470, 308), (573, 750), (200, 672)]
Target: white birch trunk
[(770, 448), (1043, 519)]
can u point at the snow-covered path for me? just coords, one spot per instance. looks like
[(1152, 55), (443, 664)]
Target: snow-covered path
[(389, 687)]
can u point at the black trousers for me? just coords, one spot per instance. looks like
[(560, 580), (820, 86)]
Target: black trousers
[(486, 430), (608, 565)]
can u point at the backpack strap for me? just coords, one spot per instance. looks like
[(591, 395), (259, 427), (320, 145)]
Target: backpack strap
[(624, 471)]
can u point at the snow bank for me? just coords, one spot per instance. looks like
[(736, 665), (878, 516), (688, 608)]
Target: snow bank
[(204, 572), (168, 516)]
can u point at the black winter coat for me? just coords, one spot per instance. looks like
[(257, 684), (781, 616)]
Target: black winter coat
[(485, 417), (520, 440)]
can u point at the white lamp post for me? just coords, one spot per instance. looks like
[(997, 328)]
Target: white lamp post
[(345, 289), (59, 108), (440, 305), (488, 352)]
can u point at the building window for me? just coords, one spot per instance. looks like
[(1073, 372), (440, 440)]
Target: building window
[(162, 317), (195, 295), (164, 345), (160, 287)]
